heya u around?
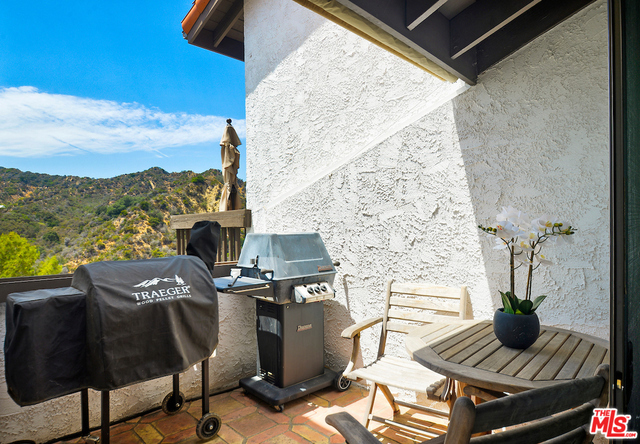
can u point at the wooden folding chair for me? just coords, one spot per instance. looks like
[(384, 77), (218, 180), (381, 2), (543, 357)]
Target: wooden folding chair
[(406, 307)]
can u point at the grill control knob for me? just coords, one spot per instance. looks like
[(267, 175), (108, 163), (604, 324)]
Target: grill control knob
[(323, 287), (317, 289), (310, 290)]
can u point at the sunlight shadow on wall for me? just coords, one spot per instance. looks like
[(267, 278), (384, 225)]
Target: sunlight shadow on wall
[(262, 27), (534, 134)]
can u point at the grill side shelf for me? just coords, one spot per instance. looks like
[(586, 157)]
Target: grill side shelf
[(245, 286)]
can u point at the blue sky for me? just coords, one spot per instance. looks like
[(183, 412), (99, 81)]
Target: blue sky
[(100, 89)]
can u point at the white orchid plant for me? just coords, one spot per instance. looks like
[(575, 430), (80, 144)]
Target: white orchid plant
[(523, 239)]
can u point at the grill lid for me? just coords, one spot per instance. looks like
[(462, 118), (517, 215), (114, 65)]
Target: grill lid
[(285, 256)]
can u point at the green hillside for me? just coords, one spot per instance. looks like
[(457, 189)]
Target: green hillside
[(80, 220)]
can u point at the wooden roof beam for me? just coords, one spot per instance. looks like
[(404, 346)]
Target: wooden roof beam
[(419, 10), (481, 20), (430, 38), (514, 36), (231, 17), (203, 19)]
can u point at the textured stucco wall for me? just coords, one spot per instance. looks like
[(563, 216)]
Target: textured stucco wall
[(396, 169), (235, 359)]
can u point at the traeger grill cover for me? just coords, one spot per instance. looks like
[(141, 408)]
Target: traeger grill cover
[(146, 318), (44, 348)]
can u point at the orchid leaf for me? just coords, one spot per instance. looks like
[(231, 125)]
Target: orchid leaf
[(525, 307), (538, 301), (506, 302), (516, 301)]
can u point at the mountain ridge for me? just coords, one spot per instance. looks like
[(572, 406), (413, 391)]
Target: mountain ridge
[(81, 219)]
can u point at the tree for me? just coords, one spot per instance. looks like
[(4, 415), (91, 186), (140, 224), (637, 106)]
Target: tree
[(49, 266), (17, 256)]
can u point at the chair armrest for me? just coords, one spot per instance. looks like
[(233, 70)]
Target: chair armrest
[(353, 330), (355, 433), (351, 430)]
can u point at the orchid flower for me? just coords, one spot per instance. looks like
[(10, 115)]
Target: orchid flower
[(543, 260), (523, 239)]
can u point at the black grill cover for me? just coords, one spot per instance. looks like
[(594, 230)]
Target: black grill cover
[(205, 236), (44, 348), (146, 318)]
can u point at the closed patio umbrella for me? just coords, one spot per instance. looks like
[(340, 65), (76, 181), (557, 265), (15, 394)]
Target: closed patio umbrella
[(230, 199)]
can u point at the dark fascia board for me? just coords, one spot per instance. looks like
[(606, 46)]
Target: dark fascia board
[(228, 47), (536, 21), (430, 38)]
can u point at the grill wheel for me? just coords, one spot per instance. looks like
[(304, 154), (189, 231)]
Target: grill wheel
[(341, 383), (171, 407), (208, 426)]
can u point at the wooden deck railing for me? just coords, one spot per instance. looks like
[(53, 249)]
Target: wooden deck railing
[(234, 224)]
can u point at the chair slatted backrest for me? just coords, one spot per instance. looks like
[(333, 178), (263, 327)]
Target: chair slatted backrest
[(411, 305), (571, 402)]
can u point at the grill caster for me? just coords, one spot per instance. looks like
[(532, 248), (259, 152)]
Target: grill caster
[(171, 406), (208, 426), (341, 383), (279, 408)]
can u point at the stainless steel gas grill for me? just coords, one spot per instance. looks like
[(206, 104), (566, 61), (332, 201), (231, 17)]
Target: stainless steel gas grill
[(289, 275)]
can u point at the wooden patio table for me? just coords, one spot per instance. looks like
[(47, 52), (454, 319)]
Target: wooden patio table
[(470, 353)]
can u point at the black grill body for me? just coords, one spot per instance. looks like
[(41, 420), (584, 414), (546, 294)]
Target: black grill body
[(290, 342)]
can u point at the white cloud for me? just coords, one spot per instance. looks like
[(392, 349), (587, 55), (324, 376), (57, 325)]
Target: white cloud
[(37, 124)]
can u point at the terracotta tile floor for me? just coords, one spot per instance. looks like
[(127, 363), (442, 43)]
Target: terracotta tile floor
[(248, 420)]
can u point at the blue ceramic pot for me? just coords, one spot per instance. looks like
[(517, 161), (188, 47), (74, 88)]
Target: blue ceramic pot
[(516, 331)]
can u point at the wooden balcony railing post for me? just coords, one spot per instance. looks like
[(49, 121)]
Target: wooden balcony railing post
[(235, 242), (232, 223), (223, 245)]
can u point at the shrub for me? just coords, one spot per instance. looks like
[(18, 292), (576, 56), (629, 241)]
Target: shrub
[(119, 206), (51, 236), (51, 220), (198, 180), (157, 253), (154, 221)]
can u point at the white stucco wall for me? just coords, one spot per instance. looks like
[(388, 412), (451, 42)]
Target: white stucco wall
[(235, 359), (396, 169)]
